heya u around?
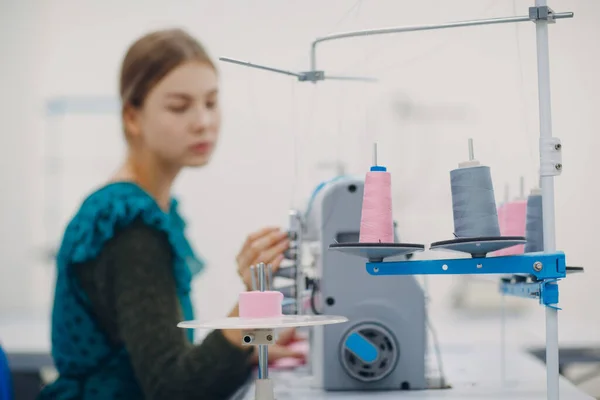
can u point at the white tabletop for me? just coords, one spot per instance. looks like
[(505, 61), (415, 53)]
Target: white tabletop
[(474, 372), (471, 356)]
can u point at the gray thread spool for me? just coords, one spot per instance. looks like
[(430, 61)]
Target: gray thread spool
[(473, 201), (534, 228)]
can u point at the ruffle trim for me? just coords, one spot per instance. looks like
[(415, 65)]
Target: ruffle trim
[(114, 207)]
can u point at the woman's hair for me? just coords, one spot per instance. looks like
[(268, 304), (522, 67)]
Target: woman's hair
[(152, 57)]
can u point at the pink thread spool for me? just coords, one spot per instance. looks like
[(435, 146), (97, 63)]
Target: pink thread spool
[(512, 218), (257, 304), (377, 224)]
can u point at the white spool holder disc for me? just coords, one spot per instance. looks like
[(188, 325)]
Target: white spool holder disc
[(285, 321), (376, 252), (264, 387), (478, 247)]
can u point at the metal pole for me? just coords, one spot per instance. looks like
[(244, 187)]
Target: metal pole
[(270, 282), (296, 226), (471, 151), (249, 64), (522, 187), (263, 350), (503, 341), (253, 277), (382, 31), (374, 154), (547, 186)]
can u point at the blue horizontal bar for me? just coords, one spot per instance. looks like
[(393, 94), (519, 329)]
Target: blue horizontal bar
[(553, 266)]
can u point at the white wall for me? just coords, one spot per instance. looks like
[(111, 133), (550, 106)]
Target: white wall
[(20, 118), (478, 82)]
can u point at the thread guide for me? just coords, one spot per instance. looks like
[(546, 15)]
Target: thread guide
[(537, 13)]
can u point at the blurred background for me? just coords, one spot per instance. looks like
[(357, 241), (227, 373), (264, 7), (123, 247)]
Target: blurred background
[(59, 113)]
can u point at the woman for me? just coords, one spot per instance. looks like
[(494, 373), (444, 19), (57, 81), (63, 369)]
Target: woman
[(125, 266)]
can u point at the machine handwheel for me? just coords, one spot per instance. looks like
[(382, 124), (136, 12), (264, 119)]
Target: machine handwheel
[(369, 352)]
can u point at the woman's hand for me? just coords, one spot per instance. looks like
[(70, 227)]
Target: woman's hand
[(280, 349), (267, 246)]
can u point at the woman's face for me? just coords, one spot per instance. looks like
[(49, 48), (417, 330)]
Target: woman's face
[(180, 119)]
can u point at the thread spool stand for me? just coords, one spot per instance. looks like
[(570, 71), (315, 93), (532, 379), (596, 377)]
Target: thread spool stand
[(367, 247), (548, 267), (260, 331), (476, 228)]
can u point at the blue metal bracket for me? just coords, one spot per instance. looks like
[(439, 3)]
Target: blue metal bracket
[(546, 291), (545, 269), (540, 265)]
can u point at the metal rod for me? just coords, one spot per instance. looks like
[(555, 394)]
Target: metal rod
[(263, 67), (263, 351), (375, 154), (503, 341), (522, 187), (263, 361), (296, 226), (261, 277), (253, 277), (270, 272), (459, 24), (350, 78), (547, 186), (471, 151)]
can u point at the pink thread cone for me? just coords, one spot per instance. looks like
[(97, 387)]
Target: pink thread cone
[(377, 225), (512, 218), (257, 304)]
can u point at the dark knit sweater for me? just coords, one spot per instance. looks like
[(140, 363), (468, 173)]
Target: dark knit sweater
[(133, 293)]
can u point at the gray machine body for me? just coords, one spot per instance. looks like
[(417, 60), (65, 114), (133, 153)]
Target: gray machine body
[(389, 311)]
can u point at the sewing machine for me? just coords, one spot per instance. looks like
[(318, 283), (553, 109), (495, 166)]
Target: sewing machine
[(384, 346)]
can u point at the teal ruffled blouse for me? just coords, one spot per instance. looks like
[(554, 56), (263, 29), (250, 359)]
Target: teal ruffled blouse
[(89, 365)]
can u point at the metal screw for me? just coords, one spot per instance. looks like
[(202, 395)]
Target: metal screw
[(537, 266), (558, 167), (557, 146), (269, 337), (376, 269)]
